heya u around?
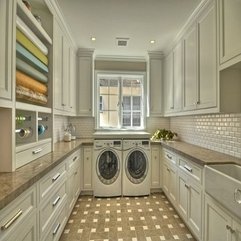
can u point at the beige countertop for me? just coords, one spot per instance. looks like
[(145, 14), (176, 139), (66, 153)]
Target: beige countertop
[(14, 183), (200, 155)]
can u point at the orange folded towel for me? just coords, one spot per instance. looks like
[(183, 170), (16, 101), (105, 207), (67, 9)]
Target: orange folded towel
[(30, 83)]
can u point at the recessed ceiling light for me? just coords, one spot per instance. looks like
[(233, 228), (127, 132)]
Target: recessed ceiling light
[(152, 41), (93, 38)]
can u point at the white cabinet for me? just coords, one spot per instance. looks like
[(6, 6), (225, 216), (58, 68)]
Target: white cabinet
[(219, 224), (155, 166), (207, 58), (73, 179), (200, 62), (230, 31), (190, 69), (173, 80), (65, 77), (6, 49), (85, 82), (155, 82), (87, 168), (170, 176), (18, 220)]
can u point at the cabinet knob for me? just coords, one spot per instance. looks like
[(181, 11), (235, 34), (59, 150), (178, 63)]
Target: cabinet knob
[(237, 195)]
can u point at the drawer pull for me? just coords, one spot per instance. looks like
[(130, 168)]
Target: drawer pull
[(75, 173), (56, 229), (55, 178), (75, 158), (168, 169), (169, 157), (188, 168), (12, 220), (37, 151), (186, 186), (55, 202)]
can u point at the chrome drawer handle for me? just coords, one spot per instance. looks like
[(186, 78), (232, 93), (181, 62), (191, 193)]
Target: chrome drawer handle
[(75, 158), (55, 202), (169, 157), (37, 151), (237, 195), (12, 220), (55, 177), (186, 186), (188, 168), (56, 229)]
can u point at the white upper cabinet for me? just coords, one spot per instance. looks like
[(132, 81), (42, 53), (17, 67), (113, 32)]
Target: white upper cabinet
[(155, 81), (85, 82), (6, 49), (230, 31), (207, 95), (190, 69), (173, 80)]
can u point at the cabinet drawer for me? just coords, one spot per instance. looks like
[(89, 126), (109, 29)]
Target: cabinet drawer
[(190, 168), (13, 215), (50, 208), (170, 157), (74, 160), (31, 154), (51, 180), (57, 226)]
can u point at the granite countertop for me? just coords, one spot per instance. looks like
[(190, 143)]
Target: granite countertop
[(200, 155), (14, 183)]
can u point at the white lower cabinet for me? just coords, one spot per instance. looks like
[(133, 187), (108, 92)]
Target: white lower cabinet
[(14, 218), (220, 224), (189, 202), (155, 166), (87, 168), (170, 176)]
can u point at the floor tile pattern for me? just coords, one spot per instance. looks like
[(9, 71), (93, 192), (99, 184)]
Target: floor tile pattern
[(149, 218)]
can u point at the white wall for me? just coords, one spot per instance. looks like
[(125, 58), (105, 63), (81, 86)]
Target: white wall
[(219, 132)]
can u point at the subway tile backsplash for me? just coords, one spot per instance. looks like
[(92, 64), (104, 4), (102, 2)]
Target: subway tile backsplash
[(219, 132), (60, 124)]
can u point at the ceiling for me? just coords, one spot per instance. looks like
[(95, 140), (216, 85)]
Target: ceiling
[(139, 20)]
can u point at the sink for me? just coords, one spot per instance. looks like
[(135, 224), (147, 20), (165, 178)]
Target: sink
[(223, 183)]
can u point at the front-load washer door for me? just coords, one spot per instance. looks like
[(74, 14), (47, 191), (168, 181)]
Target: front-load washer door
[(136, 166), (108, 167)]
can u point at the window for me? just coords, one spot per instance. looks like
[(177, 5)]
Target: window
[(120, 101)]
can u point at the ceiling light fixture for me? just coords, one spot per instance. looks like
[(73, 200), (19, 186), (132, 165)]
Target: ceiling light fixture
[(93, 38), (152, 41)]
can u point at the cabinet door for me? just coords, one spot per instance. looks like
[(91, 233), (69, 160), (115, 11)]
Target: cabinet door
[(155, 167), (85, 86), (27, 231), (166, 171), (58, 70), (173, 184), (6, 23), (72, 81), (182, 198), (216, 221), (178, 77), (155, 87), (207, 59), (230, 31), (65, 80), (190, 69), (87, 175), (195, 208), (168, 83)]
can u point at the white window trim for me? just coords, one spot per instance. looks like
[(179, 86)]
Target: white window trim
[(96, 100)]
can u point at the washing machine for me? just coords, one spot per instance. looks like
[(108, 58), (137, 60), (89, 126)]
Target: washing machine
[(136, 168), (107, 165)]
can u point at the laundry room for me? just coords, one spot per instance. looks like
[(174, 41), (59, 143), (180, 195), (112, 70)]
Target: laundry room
[(120, 120)]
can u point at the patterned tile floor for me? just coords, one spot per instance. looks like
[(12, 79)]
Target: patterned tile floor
[(125, 219)]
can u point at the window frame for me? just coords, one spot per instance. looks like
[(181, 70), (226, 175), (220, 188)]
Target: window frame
[(97, 99)]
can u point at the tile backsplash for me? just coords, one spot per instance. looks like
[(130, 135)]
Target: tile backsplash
[(219, 132), (60, 124)]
